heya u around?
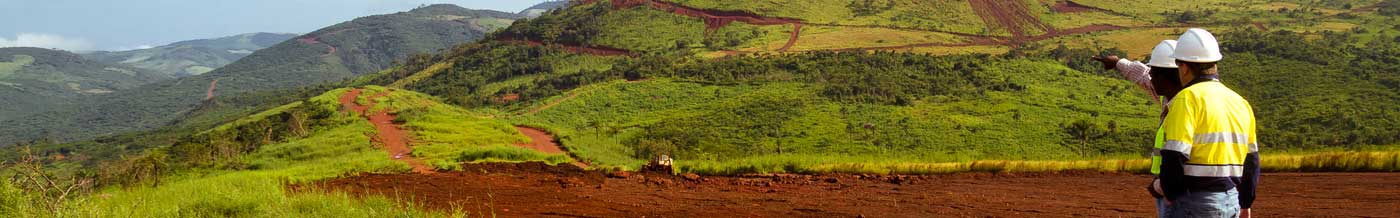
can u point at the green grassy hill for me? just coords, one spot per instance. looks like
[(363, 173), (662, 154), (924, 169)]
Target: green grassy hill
[(193, 57), (35, 79), (249, 162), (339, 52), (1037, 98)]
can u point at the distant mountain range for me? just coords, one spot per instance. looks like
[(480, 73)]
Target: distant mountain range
[(193, 57), (540, 9), (335, 53), (36, 79)]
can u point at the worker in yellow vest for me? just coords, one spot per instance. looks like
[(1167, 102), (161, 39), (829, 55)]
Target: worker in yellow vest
[(1210, 160), (1159, 78)]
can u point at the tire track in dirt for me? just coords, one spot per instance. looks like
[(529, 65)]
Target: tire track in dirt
[(539, 190), (1011, 15), (390, 136)]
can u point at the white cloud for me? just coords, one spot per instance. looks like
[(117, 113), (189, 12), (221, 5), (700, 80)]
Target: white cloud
[(46, 41), (129, 48)]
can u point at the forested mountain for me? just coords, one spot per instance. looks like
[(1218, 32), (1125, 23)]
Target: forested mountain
[(36, 79), (192, 57), (335, 53)]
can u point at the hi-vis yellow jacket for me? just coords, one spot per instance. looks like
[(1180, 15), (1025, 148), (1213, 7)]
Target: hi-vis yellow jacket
[(1211, 143)]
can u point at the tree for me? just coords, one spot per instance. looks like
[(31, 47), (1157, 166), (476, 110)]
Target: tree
[(1081, 132)]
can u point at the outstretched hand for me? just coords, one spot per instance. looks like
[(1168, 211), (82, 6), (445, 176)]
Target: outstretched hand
[(1109, 62)]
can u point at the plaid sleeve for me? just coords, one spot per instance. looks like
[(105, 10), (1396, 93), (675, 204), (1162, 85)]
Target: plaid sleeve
[(1137, 73)]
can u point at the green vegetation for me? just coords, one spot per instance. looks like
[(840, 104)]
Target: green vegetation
[(941, 15), (285, 72), (242, 168), (33, 80), (640, 29), (192, 57), (13, 64), (445, 135), (946, 119), (1035, 103), (238, 170), (1326, 99)]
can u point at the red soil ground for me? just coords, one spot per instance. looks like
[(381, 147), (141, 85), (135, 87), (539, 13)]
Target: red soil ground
[(391, 136), (1011, 15), (538, 190), (539, 140)]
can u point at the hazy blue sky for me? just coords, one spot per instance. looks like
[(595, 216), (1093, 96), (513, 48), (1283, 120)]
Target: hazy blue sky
[(127, 24)]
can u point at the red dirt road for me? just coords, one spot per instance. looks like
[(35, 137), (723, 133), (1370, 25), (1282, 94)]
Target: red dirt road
[(210, 94), (537, 190), (392, 137), (544, 142), (539, 141)]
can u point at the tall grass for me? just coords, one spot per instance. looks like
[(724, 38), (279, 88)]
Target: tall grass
[(1368, 161), (1375, 161), (259, 190)]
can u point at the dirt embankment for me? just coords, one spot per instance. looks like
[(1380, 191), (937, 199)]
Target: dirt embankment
[(538, 190), (391, 136)]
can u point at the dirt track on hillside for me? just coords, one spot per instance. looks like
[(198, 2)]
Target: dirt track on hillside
[(391, 136), (537, 190), (316, 39), (544, 142)]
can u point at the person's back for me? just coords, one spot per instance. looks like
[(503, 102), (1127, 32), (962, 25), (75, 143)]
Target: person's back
[(1210, 160), (1221, 134)]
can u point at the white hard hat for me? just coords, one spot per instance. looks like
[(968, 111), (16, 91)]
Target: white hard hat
[(1197, 46), (1162, 54)]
